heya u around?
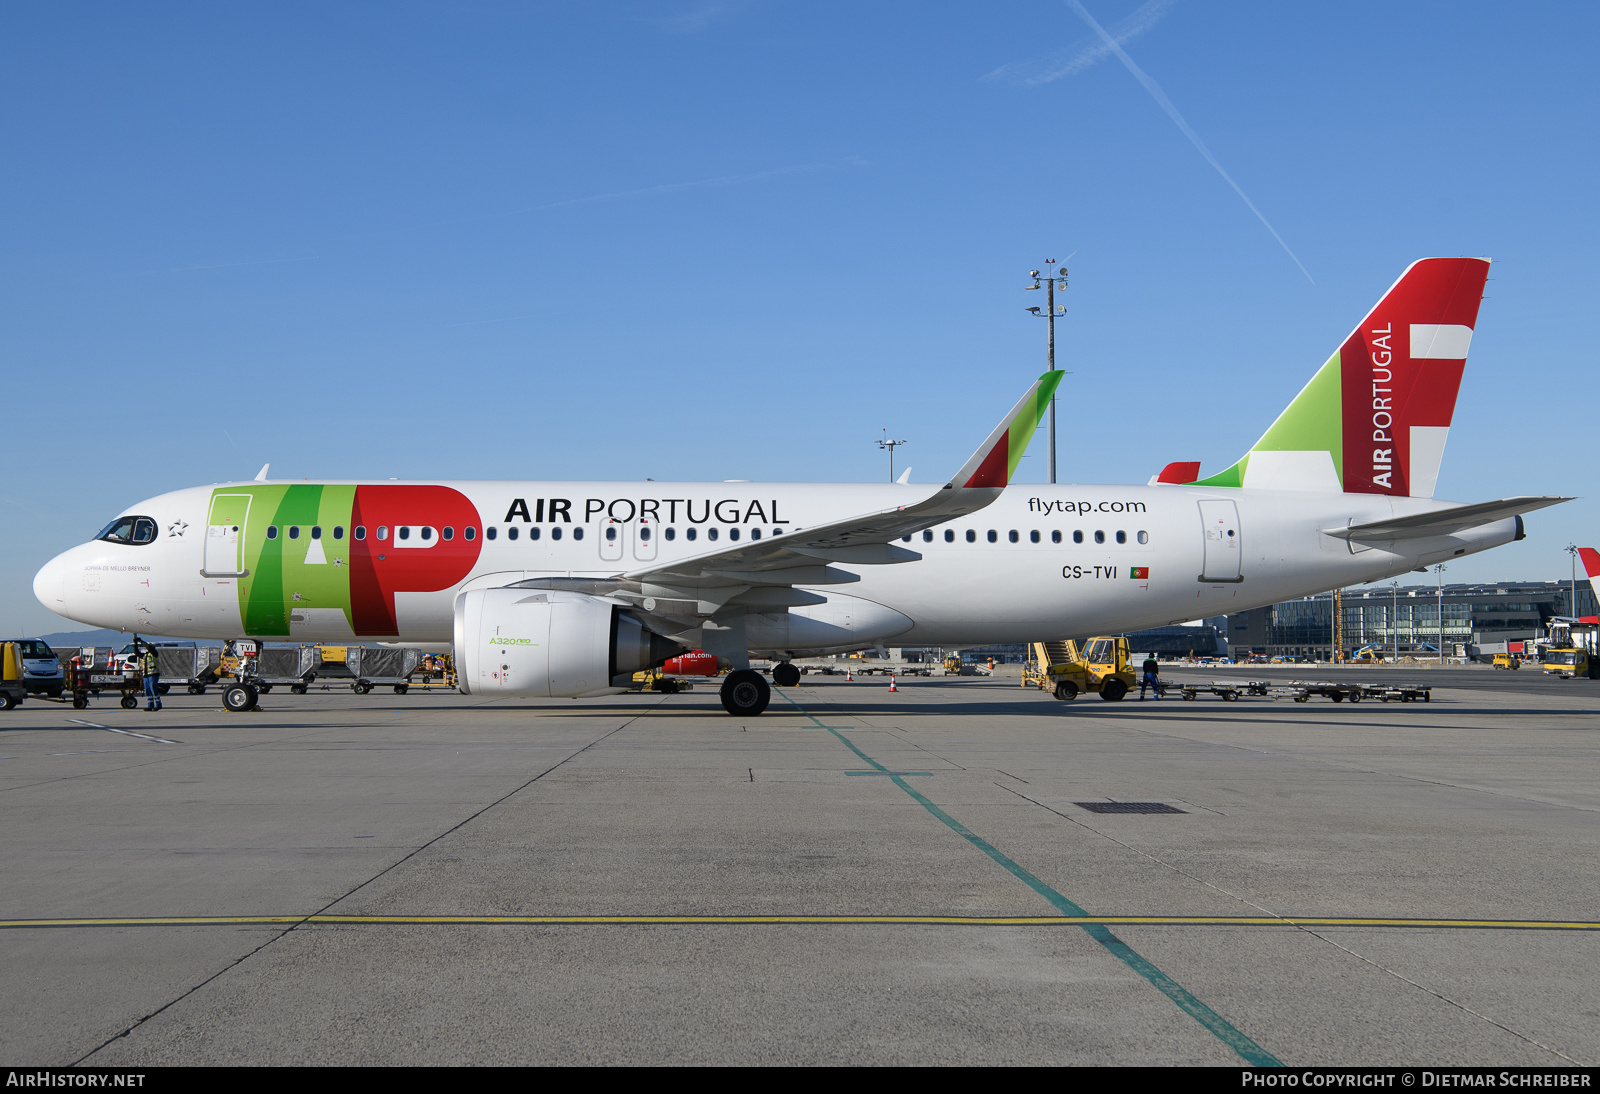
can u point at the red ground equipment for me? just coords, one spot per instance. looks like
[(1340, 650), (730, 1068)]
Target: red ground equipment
[(693, 663)]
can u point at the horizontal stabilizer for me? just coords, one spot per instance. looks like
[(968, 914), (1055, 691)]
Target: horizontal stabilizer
[(1443, 522)]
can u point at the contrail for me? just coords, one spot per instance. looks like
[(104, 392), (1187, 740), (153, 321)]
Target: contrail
[(1080, 56), (1177, 119)]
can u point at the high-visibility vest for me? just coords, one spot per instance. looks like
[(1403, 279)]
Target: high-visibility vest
[(151, 661)]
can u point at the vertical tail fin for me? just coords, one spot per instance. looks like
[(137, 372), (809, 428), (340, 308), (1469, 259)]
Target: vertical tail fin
[(1374, 418)]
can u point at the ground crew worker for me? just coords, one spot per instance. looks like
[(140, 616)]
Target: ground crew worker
[(1151, 677), (150, 665)]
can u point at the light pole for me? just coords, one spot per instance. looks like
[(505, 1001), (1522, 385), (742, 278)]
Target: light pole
[(890, 445), (1572, 608), (1047, 281), (1394, 620), (1439, 569)]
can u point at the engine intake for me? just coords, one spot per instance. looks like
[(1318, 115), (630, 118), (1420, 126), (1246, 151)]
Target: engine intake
[(550, 644)]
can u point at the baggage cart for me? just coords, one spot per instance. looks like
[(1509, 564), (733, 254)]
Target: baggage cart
[(1228, 690), (193, 667), (1303, 690), (1384, 694), (371, 666), (294, 666), (97, 668)]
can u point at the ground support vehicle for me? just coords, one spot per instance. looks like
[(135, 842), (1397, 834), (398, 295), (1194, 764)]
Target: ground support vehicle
[(436, 672), (372, 666), (1507, 661), (1102, 666), (41, 668), (194, 667), (96, 669), (13, 686), (656, 680), (1384, 693), (1571, 663), (1302, 691), (1229, 690), (294, 666)]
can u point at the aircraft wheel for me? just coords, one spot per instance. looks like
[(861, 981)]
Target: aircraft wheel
[(745, 692), (1066, 691), (785, 675), (667, 686), (129, 702), (239, 697), (1113, 690)]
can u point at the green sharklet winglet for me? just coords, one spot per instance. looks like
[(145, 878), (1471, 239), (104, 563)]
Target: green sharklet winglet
[(994, 464), (1313, 422)]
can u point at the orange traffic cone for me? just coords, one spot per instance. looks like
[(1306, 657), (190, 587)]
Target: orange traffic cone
[(847, 677), (891, 683)]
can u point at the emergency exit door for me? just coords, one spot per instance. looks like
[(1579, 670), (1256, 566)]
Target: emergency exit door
[(613, 533), (1220, 522), (225, 535)]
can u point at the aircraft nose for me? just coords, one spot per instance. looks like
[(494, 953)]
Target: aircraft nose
[(49, 585)]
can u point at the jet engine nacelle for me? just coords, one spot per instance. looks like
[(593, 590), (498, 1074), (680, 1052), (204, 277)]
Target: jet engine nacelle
[(550, 644)]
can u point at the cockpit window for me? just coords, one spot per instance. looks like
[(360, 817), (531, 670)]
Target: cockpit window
[(129, 530)]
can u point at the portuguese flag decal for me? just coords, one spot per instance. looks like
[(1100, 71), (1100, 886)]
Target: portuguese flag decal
[(1138, 572)]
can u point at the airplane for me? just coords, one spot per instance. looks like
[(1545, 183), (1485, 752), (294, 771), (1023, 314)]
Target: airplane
[(565, 589)]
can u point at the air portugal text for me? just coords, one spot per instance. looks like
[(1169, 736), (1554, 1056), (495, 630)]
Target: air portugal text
[(660, 510), (1382, 404)]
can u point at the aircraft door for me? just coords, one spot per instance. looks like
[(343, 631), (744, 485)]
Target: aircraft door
[(1220, 521), (644, 539), (225, 536), (612, 533)]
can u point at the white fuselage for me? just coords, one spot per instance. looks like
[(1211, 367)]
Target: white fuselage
[(1043, 562)]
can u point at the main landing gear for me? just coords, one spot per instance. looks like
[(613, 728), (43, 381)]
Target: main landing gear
[(785, 675), (745, 692)]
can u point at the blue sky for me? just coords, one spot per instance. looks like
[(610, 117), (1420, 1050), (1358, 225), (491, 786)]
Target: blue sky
[(735, 240)]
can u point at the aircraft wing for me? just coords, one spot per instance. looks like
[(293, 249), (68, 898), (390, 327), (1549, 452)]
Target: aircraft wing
[(803, 557), (1443, 522)]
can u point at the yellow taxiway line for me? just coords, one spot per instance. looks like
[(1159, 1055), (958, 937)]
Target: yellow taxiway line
[(805, 920)]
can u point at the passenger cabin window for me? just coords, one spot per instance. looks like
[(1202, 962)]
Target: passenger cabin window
[(672, 534), (1012, 535), (555, 533), (993, 536), (361, 531), (294, 531), (972, 536), (711, 534), (533, 533), (426, 532), (927, 537), (469, 533), (490, 532), (755, 533), (447, 532), (1033, 536), (132, 530), (733, 533), (1122, 537), (1099, 537), (383, 532), (404, 532), (1055, 536), (511, 532), (611, 533), (1077, 537), (949, 535), (1144, 537), (316, 531), (272, 532), (577, 533), (644, 533), (691, 533), (338, 531)]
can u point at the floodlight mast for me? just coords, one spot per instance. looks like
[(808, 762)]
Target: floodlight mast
[(1047, 281), (891, 446)]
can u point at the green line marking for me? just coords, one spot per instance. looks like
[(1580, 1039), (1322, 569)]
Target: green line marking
[(1247, 1049), (896, 774)]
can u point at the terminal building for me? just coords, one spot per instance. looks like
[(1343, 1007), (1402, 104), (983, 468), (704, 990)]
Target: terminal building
[(1413, 620)]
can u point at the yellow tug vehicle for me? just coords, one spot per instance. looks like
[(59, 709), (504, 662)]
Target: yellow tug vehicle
[(1101, 666)]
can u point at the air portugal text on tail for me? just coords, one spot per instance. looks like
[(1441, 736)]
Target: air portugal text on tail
[(574, 595), (1374, 418)]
